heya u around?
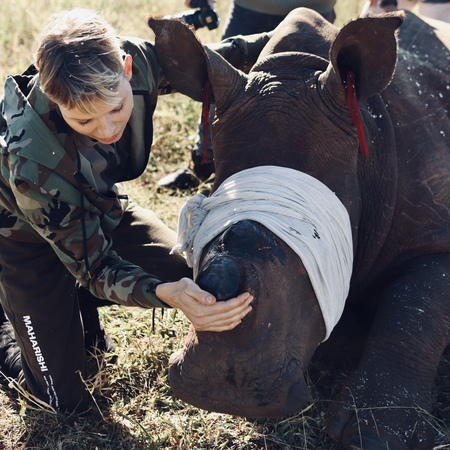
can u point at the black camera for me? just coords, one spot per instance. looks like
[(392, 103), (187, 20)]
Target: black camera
[(205, 16)]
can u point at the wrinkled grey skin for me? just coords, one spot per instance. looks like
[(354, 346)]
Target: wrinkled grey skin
[(291, 110)]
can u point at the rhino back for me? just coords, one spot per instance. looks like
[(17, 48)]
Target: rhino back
[(418, 103)]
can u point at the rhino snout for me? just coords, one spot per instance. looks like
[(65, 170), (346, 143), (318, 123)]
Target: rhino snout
[(244, 392), (221, 277)]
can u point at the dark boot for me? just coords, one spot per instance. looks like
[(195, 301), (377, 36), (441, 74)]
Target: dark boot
[(189, 177), (10, 363)]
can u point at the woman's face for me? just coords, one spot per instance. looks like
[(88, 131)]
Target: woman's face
[(108, 123)]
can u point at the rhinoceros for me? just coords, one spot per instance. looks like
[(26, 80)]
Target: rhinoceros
[(331, 206)]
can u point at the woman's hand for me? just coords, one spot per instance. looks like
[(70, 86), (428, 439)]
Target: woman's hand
[(201, 308)]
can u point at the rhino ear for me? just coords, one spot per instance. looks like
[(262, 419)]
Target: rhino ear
[(181, 56), (187, 64), (226, 81), (368, 48)]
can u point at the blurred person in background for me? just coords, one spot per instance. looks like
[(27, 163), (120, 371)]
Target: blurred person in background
[(433, 9)]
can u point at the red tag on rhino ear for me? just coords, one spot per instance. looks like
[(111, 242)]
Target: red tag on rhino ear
[(206, 106), (352, 102)]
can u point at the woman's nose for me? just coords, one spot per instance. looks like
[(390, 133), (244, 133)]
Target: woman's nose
[(105, 128)]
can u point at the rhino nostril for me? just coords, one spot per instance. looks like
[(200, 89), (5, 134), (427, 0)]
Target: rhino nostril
[(221, 277)]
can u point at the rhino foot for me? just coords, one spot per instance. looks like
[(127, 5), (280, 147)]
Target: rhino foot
[(364, 418)]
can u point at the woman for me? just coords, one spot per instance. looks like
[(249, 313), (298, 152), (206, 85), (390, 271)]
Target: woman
[(74, 125)]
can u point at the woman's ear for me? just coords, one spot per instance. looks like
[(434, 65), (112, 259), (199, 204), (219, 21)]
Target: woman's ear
[(128, 63)]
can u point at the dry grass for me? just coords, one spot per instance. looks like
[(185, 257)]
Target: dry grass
[(133, 404)]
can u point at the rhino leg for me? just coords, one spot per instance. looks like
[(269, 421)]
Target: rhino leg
[(386, 401)]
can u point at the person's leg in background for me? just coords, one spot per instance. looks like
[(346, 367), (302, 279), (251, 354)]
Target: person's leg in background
[(438, 10)]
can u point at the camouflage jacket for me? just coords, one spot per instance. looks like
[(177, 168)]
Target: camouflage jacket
[(45, 196)]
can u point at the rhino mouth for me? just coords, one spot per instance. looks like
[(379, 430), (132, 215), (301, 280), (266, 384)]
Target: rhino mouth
[(237, 392)]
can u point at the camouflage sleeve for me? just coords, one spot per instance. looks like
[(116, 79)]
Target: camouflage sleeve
[(61, 224), (242, 51), (163, 86), (146, 66)]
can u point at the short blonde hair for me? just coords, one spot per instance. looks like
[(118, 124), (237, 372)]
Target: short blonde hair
[(79, 60)]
